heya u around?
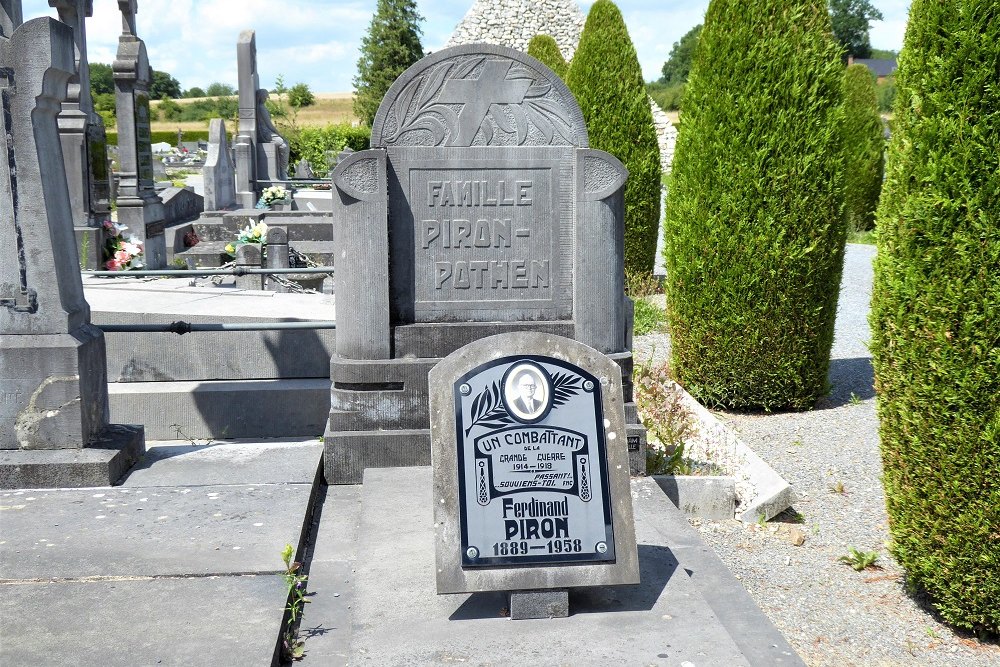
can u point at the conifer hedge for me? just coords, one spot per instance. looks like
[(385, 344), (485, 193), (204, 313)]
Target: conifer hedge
[(864, 146), (544, 48), (754, 229), (936, 311), (607, 81)]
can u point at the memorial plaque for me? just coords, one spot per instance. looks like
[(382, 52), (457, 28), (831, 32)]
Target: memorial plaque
[(532, 464)]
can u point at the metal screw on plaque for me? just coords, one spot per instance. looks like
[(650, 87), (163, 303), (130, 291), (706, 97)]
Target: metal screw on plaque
[(588, 385), (602, 548), (465, 389), (473, 552)]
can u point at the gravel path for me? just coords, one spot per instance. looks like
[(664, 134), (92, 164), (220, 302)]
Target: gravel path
[(831, 614)]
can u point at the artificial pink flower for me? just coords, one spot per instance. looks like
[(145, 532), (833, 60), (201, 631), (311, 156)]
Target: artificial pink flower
[(122, 257), (113, 265)]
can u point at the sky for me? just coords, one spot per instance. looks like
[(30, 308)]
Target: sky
[(317, 41)]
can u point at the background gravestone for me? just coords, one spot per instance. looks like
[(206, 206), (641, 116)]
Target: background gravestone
[(84, 144), (139, 208), (219, 172), (261, 153), (498, 219), (53, 381)]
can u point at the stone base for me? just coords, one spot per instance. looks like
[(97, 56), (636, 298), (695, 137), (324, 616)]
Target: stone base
[(104, 462), (551, 603), (379, 407)]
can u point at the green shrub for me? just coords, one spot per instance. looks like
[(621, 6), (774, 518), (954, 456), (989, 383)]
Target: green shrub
[(754, 229), (666, 95), (391, 45), (864, 145), (936, 311), (320, 144), (544, 48), (167, 109), (886, 91), (607, 81), (300, 96)]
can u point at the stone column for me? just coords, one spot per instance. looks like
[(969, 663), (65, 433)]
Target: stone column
[(249, 256), (361, 237), (599, 267), (139, 207), (53, 377), (277, 257), (10, 17), (84, 143), (245, 147)]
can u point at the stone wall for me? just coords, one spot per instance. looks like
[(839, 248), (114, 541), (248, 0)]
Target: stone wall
[(666, 135), (514, 22)]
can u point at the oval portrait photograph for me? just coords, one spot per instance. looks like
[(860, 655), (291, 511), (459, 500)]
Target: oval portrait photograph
[(526, 392)]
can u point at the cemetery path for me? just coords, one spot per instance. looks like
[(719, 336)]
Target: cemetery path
[(831, 614)]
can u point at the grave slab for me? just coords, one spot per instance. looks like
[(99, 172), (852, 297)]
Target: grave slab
[(127, 622), (398, 619), (149, 531)]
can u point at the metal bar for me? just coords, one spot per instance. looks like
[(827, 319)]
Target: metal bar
[(235, 271), (182, 327)]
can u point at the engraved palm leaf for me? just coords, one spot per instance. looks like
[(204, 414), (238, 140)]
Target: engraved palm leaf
[(488, 410)]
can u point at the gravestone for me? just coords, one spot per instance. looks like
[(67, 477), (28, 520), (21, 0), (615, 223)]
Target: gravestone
[(261, 153), (10, 17), (478, 210), (53, 381), (531, 483), (303, 169), (84, 144), (139, 208), (219, 173)]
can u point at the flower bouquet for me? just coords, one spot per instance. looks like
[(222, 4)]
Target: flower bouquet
[(275, 194), (255, 234), (121, 252)]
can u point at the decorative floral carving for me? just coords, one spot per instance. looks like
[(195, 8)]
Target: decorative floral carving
[(445, 103)]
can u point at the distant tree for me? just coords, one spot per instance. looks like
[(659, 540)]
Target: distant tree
[(390, 47), (884, 54), (300, 96), (678, 64), (864, 144), (851, 19), (218, 89), (102, 79), (544, 48), (194, 92), (163, 85), (607, 81)]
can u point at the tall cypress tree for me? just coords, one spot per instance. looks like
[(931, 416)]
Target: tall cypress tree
[(754, 228), (864, 146), (544, 48), (390, 47), (607, 81), (936, 311)]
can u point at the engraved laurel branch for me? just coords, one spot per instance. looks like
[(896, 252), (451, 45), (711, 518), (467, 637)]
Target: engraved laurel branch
[(564, 385), (488, 410), (417, 107)]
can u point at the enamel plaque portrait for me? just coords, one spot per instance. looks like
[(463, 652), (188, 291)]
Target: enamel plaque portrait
[(532, 464)]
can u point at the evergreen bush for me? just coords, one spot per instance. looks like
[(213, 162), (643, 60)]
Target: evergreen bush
[(319, 144), (544, 48), (754, 229), (864, 145), (390, 47), (936, 311), (607, 81)]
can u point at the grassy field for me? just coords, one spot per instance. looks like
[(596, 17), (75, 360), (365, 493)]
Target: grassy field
[(329, 108)]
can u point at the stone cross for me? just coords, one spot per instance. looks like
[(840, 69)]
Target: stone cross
[(128, 8), (478, 95)]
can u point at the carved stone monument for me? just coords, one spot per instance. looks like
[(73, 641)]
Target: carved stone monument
[(498, 219), (10, 17), (531, 482), (84, 143), (261, 153), (139, 207), (54, 427), (219, 173)]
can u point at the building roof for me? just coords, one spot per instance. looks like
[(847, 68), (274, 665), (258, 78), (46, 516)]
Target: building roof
[(878, 66)]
